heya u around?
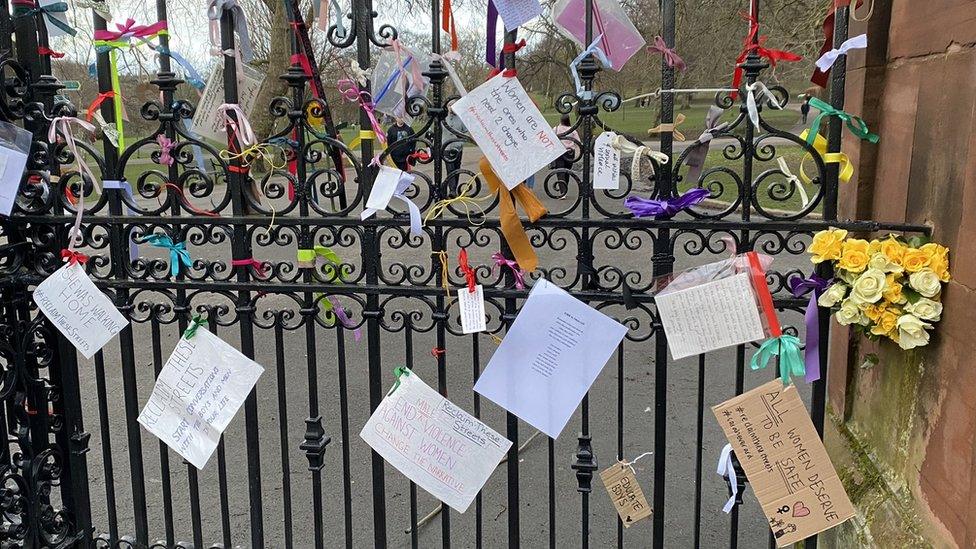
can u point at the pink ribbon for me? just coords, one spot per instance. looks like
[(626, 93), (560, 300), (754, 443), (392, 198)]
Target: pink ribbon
[(258, 266), (502, 261), (241, 126), (418, 78), (165, 146), (671, 57), (129, 29), (340, 313), (351, 92), (64, 123)]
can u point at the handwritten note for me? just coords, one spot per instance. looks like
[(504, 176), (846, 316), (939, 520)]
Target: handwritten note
[(207, 121), (198, 392), (626, 494), (509, 129), (436, 444), (78, 309), (606, 163), (775, 441), (515, 13), (472, 305), (710, 316), (15, 144)]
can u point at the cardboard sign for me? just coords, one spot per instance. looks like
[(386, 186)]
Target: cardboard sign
[(785, 461), (626, 494), (78, 309), (198, 392), (509, 129), (472, 305), (207, 121), (606, 163), (437, 445)]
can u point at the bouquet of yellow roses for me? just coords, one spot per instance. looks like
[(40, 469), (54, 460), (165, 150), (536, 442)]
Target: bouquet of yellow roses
[(889, 287)]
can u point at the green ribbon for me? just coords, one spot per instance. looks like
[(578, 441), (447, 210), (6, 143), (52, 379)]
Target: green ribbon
[(398, 372), (57, 7), (331, 261), (855, 124), (787, 347), (191, 330)]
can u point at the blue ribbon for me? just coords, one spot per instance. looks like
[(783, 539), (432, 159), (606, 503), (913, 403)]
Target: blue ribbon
[(594, 49), (48, 10), (127, 189), (192, 76), (177, 251), (787, 347)]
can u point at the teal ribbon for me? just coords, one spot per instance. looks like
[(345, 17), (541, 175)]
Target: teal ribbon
[(177, 251), (191, 330), (855, 124), (57, 7), (398, 372), (787, 347)]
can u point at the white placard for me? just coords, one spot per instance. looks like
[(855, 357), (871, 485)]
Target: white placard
[(509, 129), (549, 358), (198, 392), (78, 309), (384, 186), (606, 163), (710, 316), (207, 121), (515, 13), (436, 444), (472, 305)]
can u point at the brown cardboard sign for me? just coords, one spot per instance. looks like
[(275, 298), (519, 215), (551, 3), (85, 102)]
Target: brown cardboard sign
[(626, 494), (785, 461)]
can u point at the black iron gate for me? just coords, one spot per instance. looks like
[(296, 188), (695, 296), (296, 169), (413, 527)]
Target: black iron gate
[(77, 467)]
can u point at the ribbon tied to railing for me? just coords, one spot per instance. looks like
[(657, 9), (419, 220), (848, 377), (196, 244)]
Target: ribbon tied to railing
[(726, 469), (754, 43), (416, 221), (74, 257), (624, 146), (502, 261), (63, 124), (759, 89), (44, 50), (828, 59), (29, 8), (670, 127), (787, 347), (258, 266), (592, 49), (214, 10), (645, 207), (469, 275), (165, 148), (178, 256), (671, 57), (855, 124), (239, 123), (350, 91), (511, 224), (815, 286), (465, 197), (846, 168), (698, 151), (784, 168)]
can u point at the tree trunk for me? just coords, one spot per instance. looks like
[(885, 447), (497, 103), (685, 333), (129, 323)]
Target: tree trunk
[(279, 59)]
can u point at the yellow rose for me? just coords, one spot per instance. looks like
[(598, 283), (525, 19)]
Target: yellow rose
[(915, 260), (892, 249), (886, 323), (874, 310), (892, 291), (939, 263), (826, 245), (854, 255)]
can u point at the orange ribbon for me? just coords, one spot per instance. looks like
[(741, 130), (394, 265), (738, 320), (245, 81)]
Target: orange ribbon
[(447, 23), (511, 225), (99, 99)]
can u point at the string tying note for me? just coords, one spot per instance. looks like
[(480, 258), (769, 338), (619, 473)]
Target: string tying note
[(855, 124), (469, 275), (760, 89), (502, 261), (74, 257), (445, 271), (670, 127), (671, 57), (814, 285), (592, 49), (178, 256), (633, 461), (398, 372), (726, 469), (29, 8), (191, 330), (828, 59), (698, 151), (645, 207), (787, 348), (846, 168), (509, 221), (464, 198), (754, 43)]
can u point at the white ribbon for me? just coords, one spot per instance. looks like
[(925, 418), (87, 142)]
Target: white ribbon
[(358, 73), (727, 470), (416, 222), (760, 89), (827, 60), (214, 10), (63, 123), (243, 128), (599, 54), (783, 167), (625, 147), (446, 60)]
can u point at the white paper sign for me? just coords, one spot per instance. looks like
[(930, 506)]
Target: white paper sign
[(549, 358), (78, 309), (207, 121), (436, 444), (472, 305), (515, 13), (509, 129), (198, 392), (710, 316), (15, 143), (384, 186), (606, 163)]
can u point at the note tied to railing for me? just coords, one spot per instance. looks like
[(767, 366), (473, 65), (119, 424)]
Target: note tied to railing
[(775, 441), (626, 494), (436, 444), (606, 163), (207, 120), (78, 309), (509, 129)]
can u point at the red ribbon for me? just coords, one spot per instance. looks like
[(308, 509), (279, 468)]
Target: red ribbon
[(99, 99), (43, 50), (301, 60), (250, 262), (437, 351), (752, 44), (762, 291), (513, 47), (74, 257), (469, 274)]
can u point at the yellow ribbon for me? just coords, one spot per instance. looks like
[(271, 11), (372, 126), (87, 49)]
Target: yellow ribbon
[(442, 255), (820, 144), (463, 198), (264, 151), (364, 135), (508, 218), (670, 128)]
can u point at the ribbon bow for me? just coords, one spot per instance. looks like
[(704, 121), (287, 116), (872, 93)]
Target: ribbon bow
[(192, 75), (625, 146), (48, 11), (502, 261), (754, 44), (124, 31), (258, 266), (595, 50), (351, 92), (469, 275), (760, 89), (177, 251), (74, 257), (416, 224), (321, 258), (855, 124), (820, 145), (97, 102), (671, 57), (726, 468), (698, 151), (815, 285), (165, 147), (241, 126), (784, 168), (787, 347), (511, 224), (214, 10), (644, 207), (464, 198), (670, 127), (828, 59)]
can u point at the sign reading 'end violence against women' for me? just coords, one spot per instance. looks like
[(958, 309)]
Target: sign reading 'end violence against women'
[(785, 461), (436, 444), (509, 129)]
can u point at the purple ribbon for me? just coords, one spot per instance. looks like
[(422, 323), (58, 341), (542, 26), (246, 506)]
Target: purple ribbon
[(645, 207), (671, 57), (501, 260), (340, 313), (490, 54), (799, 287)]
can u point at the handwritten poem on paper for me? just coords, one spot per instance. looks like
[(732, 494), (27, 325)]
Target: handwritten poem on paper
[(198, 392), (207, 121), (436, 444), (78, 309), (509, 129), (785, 461), (710, 316)]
